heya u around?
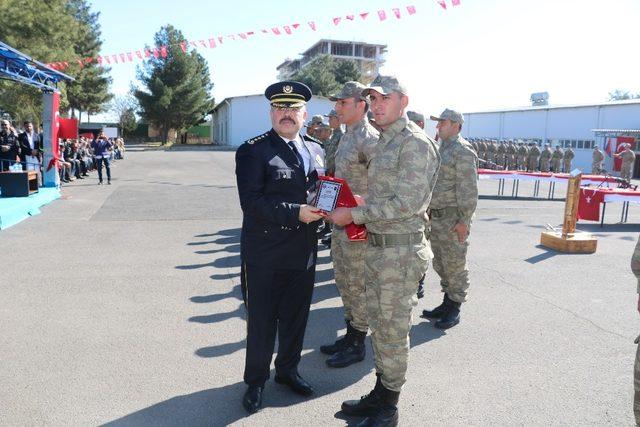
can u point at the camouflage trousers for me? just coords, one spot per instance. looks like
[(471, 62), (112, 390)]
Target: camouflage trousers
[(348, 267), (522, 162), (567, 166), (449, 256), (625, 172), (392, 273), (544, 165), (555, 165), (511, 162), (636, 384), (532, 164), (596, 168)]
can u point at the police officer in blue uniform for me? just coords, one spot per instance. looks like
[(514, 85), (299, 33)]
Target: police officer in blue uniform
[(276, 174)]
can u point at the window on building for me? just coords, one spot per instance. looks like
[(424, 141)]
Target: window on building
[(369, 51), (341, 49), (574, 144), (358, 50)]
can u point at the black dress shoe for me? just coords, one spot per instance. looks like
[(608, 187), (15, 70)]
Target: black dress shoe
[(252, 400), (296, 383)]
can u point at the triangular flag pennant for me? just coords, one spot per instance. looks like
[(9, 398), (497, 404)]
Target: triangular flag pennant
[(163, 51), (442, 3), (312, 24), (336, 20), (122, 58), (139, 54), (250, 33), (382, 15), (411, 10), (203, 43), (106, 58), (364, 15), (295, 26), (183, 46), (80, 63), (243, 36), (220, 39), (156, 54), (287, 29), (276, 31), (193, 43), (147, 53), (396, 12), (350, 17), (99, 59), (88, 60), (66, 64), (129, 56), (264, 31), (455, 2), (212, 43), (114, 58)]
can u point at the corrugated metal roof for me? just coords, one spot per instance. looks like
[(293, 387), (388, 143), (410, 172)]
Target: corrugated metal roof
[(617, 131), (553, 107)]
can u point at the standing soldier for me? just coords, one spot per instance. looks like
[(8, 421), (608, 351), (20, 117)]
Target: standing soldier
[(276, 172), (313, 125), (417, 118), (454, 201), (511, 155), (331, 146), (491, 151), (556, 159), (523, 155), (596, 161), (352, 158), (635, 267), (628, 158), (545, 158), (482, 149), (534, 155), (401, 176), (567, 158), (501, 152)]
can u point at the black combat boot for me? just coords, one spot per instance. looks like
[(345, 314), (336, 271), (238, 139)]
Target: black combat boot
[(339, 344), (368, 404), (387, 413), (437, 312), (452, 316), (353, 352)]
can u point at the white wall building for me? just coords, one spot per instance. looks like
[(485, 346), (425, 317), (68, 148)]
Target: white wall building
[(239, 118), (561, 125)]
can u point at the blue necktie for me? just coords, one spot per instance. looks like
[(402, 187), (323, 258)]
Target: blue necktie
[(292, 145)]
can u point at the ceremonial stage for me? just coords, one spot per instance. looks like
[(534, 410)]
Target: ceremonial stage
[(16, 209)]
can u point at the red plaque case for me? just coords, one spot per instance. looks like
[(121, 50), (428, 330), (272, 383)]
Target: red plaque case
[(336, 192)]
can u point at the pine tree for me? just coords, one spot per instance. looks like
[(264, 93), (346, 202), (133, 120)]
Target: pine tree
[(176, 92), (326, 75)]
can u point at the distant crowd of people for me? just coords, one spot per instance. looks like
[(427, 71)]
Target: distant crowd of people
[(23, 150)]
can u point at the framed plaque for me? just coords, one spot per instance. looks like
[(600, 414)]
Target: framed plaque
[(335, 192), (327, 197)]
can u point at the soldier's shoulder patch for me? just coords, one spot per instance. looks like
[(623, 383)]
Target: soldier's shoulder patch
[(257, 138)]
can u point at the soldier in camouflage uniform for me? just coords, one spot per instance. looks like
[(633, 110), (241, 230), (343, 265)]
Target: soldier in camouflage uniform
[(596, 161), (492, 148), (523, 155), (567, 159), (501, 152), (545, 159), (331, 146), (354, 153), (313, 125), (556, 159), (482, 149), (533, 157), (401, 177), (454, 201), (417, 118), (511, 155), (635, 267), (628, 158)]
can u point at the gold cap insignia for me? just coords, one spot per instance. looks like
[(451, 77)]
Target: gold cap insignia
[(287, 89)]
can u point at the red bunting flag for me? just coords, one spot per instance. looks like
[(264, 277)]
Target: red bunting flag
[(382, 15), (156, 54), (442, 3), (130, 56), (99, 59), (295, 26), (312, 24), (350, 17), (114, 58), (336, 20), (276, 31), (139, 54), (396, 12), (80, 63), (193, 43), (455, 2), (411, 10), (183, 46), (364, 15), (147, 53), (287, 29), (250, 33), (122, 58), (163, 51), (212, 43), (264, 31), (220, 39), (106, 58), (243, 36)]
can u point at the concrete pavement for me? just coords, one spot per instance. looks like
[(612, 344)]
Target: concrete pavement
[(121, 305)]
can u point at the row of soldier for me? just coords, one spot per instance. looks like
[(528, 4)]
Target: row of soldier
[(521, 155)]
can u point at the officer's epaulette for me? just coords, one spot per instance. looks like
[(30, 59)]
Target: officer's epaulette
[(312, 139), (257, 138)]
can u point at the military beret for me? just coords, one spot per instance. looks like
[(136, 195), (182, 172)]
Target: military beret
[(288, 94)]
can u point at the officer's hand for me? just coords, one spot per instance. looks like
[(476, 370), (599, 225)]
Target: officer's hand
[(341, 216), (309, 214), (461, 230), (359, 200)]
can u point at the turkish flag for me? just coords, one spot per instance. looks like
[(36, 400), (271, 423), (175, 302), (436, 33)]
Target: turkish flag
[(589, 204), (68, 128)]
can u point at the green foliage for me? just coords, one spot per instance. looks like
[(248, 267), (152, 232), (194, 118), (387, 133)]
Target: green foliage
[(128, 122), (326, 75), (619, 94), (176, 89), (49, 31)]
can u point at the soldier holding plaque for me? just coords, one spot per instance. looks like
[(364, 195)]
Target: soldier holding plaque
[(276, 173), (352, 157)]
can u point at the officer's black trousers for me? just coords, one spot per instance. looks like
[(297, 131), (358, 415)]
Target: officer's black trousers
[(276, 300)]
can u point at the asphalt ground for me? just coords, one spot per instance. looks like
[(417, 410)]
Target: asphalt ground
[(121, 305)]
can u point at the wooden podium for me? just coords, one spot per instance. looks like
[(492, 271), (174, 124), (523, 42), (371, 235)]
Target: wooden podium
[(569, 240)]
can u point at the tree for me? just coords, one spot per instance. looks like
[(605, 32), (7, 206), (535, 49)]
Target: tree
[(124, 108), (619, 94), (90, 91), (326, 75), (128, 121), (176, 92)]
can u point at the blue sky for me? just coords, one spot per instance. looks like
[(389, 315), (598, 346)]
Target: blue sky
[(483, 54)]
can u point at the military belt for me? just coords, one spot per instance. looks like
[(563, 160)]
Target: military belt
[(395, 239), (439, 213)]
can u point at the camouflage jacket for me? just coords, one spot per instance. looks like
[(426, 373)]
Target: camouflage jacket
[(627, 157), (355, 151), (457, 183), (597, 156), (635, 263), (534, 151), (568, 154), (557, 155), (330, 149), (545, 154), (401, 177), (522, 151)]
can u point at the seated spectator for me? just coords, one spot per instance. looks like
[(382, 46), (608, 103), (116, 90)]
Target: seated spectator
[(69, 157), (65, 167), (9, 145)]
